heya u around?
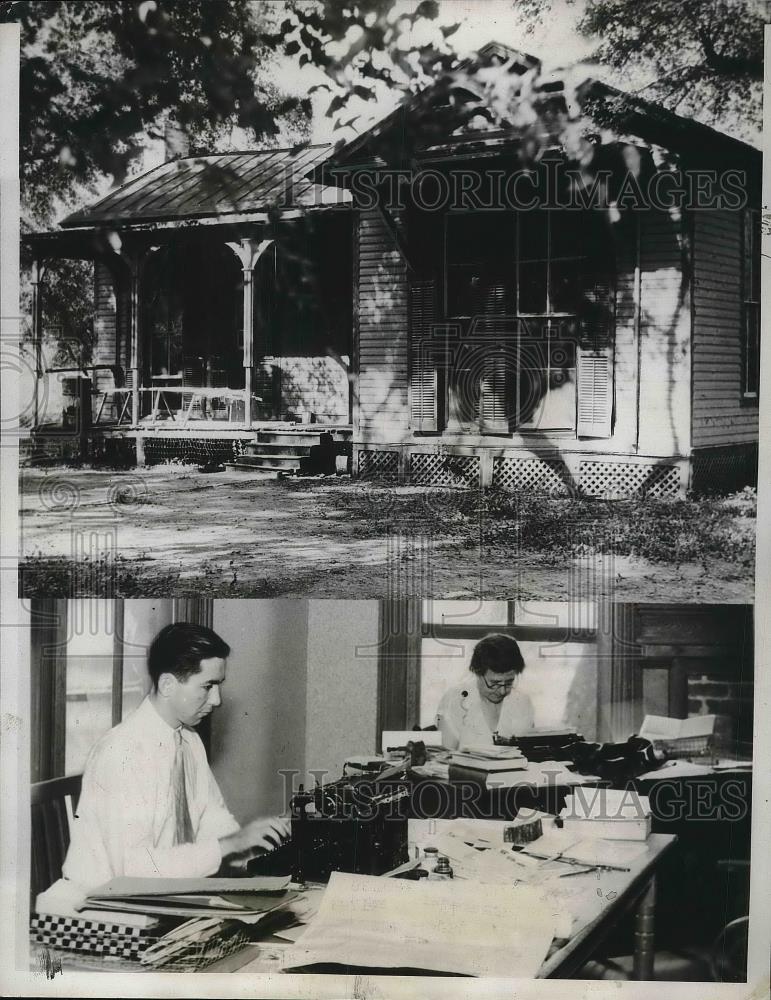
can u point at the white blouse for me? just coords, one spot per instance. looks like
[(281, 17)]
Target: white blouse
[(460, 713)]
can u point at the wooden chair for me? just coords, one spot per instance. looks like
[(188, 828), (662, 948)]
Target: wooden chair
[(53, 805)]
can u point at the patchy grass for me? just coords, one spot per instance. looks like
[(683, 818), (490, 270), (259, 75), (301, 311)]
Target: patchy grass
[(674, 532), (231, 536)]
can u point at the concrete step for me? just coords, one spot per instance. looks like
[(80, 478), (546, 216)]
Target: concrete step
[(306, 436), (269, 448), (282, 463), (240, 466)]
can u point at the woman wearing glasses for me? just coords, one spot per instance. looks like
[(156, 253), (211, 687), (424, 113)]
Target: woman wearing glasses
[(489, 702)]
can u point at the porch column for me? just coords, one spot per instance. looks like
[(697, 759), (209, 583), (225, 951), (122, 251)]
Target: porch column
[(136, 259), (249, 252), (37, 275)]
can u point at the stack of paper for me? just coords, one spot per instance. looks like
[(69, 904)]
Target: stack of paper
[(608, 813), (245, 899), (489, 752), (660, 727), (591, 851)]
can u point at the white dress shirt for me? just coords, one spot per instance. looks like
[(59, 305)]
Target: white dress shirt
[(125, 822), (460, 711)]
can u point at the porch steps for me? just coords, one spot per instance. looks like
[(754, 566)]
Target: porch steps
[(289, 451)]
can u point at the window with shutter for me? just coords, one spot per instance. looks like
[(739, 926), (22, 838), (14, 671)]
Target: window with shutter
[(595, 396), (595, 358), (424, 370), (545, 277)]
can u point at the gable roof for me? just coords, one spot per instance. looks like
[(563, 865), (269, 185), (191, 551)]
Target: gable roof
[(604, 106), (221, 185)]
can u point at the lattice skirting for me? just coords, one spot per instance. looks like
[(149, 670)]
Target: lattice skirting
[(444, 470), (193, 451), (725, 470), (626, 479), (378, 465), (534, 474)]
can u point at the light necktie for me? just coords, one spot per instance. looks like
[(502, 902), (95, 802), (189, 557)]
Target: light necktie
[(183, 827)]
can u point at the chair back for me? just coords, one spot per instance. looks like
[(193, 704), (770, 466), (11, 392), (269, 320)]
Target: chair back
[(53, 805)]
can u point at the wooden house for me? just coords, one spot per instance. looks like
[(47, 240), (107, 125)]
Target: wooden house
[(613, 349), (392, 292)]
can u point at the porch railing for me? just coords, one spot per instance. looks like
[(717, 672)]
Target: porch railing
[(175, 404), (178, 405)]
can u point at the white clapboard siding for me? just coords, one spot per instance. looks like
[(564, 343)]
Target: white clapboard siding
[(665, 337), (106, 341), (595, 393), (719, 415), (382, 330)]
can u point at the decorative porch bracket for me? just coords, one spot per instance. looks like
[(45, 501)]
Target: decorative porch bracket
[(396, 228), (135, 258), (36, 277), (249, 252)]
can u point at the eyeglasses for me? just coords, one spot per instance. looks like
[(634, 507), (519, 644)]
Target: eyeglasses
[(500, 685)]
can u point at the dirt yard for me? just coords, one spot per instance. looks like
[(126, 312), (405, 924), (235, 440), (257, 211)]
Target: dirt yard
[(174, 530)]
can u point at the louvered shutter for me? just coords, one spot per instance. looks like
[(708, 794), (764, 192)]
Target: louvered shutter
[(495, 381), (595, 394), (595, 358), (424, 374), (494, 391)]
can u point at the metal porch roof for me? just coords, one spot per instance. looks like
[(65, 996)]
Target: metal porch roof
[(217, 185)]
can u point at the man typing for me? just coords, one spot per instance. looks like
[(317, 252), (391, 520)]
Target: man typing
[(150, 805)]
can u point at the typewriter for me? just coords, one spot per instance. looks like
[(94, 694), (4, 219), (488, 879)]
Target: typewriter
[(355, 824), (545, 744)]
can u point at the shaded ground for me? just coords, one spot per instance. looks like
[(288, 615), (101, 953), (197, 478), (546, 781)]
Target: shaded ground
[(173, 530)]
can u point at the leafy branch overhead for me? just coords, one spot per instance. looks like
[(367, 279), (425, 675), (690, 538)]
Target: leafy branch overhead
[(98, 78), (696, 57)]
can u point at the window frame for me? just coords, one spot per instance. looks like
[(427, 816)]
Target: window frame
[(49, 631), (551, 319)]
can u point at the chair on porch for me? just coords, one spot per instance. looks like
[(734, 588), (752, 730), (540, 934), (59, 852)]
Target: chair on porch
[(53, 804)]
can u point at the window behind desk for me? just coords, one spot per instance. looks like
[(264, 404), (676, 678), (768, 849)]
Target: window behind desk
[(557, 642), (88, 673)]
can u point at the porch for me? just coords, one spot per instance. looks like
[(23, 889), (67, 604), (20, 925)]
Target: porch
[(216, 311)]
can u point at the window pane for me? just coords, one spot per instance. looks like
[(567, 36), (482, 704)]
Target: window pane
[(143, 620), (565, 285), (561, 680), (558, 407), (88, 712), (476, 290), (560, 614), (533, 234), (480, 237), (532, 287), (465, 612)]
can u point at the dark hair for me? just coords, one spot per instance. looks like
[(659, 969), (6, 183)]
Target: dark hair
[(497, 652), (179, 648)]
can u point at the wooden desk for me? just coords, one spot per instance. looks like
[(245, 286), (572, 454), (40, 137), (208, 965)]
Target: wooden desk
[(597, 904), (603, 901), (607, 899)]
